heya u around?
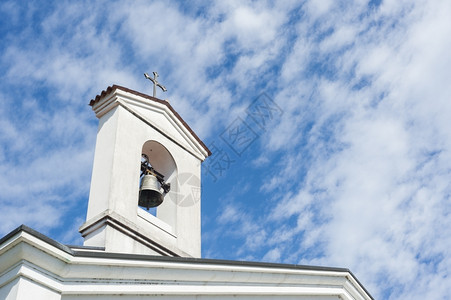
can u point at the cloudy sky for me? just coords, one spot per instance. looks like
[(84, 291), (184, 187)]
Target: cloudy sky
[(348, 165)]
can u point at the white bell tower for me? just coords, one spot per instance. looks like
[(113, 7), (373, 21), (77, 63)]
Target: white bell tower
[(132, 124)]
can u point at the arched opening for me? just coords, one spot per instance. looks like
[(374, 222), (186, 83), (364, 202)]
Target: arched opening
[(163, 162)]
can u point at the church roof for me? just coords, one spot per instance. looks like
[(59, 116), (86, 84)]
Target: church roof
[(164, 102), (229, 270), (87, 251)]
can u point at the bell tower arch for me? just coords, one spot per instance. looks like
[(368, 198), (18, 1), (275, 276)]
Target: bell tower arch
[(132, 124), (162, 161)]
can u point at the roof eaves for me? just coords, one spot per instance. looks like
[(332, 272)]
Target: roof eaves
[(24, 228), (108, 255)]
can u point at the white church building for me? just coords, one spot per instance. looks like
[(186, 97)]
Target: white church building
[(146, 153)]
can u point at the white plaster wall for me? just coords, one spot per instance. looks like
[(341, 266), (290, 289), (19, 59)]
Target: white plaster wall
[(103, 164), (120, 243), (96, 238), (25, 289), (9, 291)]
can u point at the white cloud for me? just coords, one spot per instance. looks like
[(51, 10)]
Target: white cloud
[(273, 255), (383, 196), (318, 8), (230, 214)]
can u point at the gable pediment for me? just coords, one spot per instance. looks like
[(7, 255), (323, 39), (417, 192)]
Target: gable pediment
[(153, 111)]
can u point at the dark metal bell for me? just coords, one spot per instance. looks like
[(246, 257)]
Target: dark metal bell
[(149, 192)]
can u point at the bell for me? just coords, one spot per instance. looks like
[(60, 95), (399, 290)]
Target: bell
[(149, 192)]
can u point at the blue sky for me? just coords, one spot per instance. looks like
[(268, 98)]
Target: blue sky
[(352, 170)]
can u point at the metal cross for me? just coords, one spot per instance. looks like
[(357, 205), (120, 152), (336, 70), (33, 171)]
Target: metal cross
[(155, 83)]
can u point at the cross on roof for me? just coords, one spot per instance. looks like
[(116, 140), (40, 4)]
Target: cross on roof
[(155, 83)]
